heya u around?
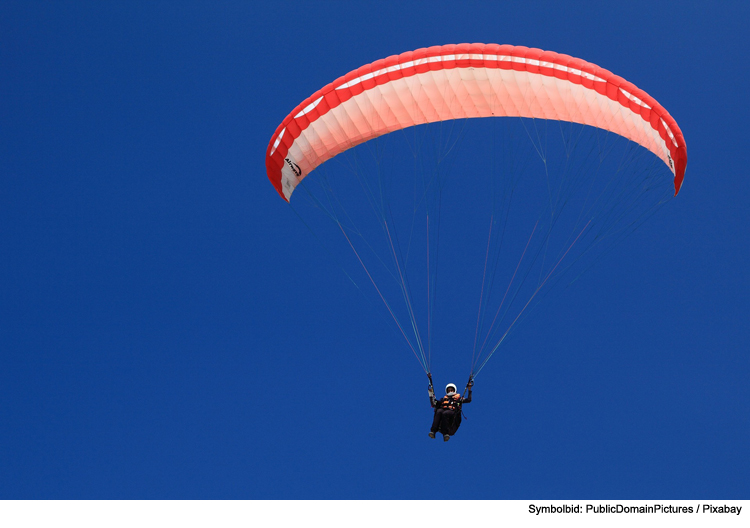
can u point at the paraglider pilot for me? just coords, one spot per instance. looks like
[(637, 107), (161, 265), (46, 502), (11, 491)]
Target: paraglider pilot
[(448, 409)]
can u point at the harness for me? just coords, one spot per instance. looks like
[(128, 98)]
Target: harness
[(448, 402)]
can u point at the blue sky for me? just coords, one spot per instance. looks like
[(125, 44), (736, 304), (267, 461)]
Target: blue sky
[(170, 329)]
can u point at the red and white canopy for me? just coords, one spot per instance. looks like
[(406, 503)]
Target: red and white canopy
[(461, 81)]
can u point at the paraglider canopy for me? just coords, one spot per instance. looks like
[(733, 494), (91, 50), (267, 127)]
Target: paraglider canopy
[(460, 81)]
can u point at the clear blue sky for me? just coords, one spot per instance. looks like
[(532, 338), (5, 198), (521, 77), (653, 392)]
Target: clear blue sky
[(170, 329)]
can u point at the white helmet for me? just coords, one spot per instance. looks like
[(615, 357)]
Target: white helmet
[(449, 387)]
